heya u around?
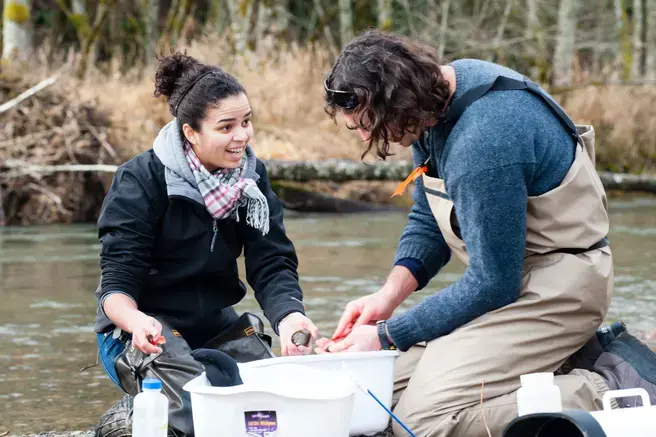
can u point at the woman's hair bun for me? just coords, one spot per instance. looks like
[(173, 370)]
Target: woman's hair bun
[(170, 69)]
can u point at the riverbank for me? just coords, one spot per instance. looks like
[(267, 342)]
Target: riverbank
[(108, 118)]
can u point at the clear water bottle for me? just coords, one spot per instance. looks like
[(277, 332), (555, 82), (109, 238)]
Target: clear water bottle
[(538, 394), (151, 410)]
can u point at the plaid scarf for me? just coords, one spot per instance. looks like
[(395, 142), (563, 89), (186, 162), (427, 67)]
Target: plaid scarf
[(226, 189)]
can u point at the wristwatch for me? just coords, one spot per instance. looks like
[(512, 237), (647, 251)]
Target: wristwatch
[(382, 335)]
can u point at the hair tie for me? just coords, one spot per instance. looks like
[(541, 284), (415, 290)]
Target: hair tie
[(189, 89)]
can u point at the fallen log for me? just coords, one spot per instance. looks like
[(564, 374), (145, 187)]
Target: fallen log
[(628, 182), (329, 170)]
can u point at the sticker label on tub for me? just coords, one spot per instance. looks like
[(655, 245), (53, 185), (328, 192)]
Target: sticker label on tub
[(261, 423)]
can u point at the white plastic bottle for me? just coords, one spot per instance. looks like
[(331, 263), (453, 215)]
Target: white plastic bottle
[(538, 394), (151, 410)]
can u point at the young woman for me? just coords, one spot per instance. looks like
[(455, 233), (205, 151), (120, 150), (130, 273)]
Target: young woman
[(507, 183), (172, 226)]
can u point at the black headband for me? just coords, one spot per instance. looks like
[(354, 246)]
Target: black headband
[(190, 87), (343, 99)]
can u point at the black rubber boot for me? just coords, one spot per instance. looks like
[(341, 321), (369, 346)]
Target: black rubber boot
[(627, 362), (586, 357), (117, 421)]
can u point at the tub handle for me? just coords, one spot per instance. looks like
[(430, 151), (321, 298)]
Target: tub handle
[(614, 394)]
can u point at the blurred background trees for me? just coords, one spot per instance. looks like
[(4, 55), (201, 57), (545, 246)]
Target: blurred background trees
[(555, 41)]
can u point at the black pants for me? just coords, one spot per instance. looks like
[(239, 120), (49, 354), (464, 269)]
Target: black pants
[(239, 339)]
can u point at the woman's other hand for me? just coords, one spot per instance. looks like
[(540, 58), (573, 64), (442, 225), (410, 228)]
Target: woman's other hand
[(363, 338), (145, 330), (291, 324)]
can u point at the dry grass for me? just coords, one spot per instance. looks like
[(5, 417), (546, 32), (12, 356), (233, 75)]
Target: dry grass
[(285, 89), (624, 118)]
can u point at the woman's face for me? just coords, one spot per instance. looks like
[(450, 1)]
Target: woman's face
[(224, 133), (406, 141)]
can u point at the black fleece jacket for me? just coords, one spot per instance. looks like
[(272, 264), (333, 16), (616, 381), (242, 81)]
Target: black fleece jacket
[(170, 256)]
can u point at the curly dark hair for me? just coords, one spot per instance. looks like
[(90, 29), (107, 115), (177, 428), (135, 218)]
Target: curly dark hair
[(397, 82), (192, 87)]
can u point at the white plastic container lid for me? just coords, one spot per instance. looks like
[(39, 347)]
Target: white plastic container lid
[(151, 384), (537, 378)]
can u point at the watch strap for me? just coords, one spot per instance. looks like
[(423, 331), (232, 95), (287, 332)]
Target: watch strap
[(382, 335)]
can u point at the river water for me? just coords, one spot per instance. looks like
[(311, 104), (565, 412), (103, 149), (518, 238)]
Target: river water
[(48, 274)]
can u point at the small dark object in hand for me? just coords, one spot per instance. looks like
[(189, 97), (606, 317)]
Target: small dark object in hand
[(301, 337), (151, 340)]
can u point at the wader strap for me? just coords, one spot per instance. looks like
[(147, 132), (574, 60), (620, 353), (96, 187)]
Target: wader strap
[(598, 245), (503, 83)]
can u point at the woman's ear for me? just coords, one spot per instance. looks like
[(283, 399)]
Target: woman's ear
[(189, 133)]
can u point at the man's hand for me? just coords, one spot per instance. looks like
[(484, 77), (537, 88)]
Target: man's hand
[(364, 311), (377, 306), (288, 326)]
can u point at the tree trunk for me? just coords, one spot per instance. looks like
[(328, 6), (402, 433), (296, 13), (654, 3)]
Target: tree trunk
[(280, 19), (240, 12), (384, 14), (326, 29), (411, 21), (102, 12), (17, 30), (444, 26), (564, 50), (622, 36), (636, 53), (598, 49), (79, 8), (262, 22), (151, 18), (650, 46), (345, 21), (531, 18), (502, 28), (219, 16)]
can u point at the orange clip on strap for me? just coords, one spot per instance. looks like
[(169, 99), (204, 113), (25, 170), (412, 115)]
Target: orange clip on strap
[(400, 189)]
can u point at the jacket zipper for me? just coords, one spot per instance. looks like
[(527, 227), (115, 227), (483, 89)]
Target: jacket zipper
[(215, 229)]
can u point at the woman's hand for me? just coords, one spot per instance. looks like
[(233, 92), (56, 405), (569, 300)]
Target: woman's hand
[(361, 339), (145, 329), (288, 326)]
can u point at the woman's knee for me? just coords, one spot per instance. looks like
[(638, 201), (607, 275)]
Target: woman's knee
[(109, 348)]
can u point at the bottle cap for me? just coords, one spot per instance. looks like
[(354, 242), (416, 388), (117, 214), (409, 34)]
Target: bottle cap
[(537, 378), (151, 384)]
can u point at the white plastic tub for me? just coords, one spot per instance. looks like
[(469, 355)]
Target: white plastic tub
[(373, 370), (295, 401)]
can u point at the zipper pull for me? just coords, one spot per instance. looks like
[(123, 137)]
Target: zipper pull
[(215, 229)]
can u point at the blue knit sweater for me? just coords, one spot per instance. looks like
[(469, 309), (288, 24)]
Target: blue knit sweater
[(507, 145)]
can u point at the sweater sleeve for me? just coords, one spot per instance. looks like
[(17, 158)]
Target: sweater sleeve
[(422, 239), (127, 227), (271, 261)]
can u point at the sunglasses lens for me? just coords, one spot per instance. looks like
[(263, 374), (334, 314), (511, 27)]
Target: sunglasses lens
[(343, 99)]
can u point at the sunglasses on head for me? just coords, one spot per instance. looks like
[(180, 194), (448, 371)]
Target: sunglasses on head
[(342, 99)]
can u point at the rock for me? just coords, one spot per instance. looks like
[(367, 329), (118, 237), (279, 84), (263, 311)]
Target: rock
[(58, 434)]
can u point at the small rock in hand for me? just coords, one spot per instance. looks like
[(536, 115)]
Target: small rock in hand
[(301, 337)]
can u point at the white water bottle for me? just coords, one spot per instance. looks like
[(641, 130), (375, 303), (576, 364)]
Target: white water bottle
[(151, 410), (538, 394)]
